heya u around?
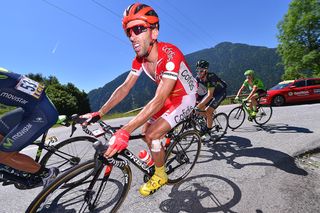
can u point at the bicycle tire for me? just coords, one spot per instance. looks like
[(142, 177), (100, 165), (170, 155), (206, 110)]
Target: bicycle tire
[(220, 126), (263, 112), (236, 117), (69, 153), (54, 198), (183, 152)]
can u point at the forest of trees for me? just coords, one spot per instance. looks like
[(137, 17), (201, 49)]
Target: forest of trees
[(68, 99), (299, 39)]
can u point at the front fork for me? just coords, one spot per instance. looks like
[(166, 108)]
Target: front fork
[(90, 191)]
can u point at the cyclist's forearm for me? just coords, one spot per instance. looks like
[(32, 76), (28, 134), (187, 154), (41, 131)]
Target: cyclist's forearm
[(203, 102), (117, 96), (240, 90)]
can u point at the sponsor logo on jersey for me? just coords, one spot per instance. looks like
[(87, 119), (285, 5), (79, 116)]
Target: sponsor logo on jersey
[(22, 132), (170, 66), (185, 113), (188, 79), (169, 52), (38, 91), (3, 77), (8, 143), (38, 120), (13, 98)]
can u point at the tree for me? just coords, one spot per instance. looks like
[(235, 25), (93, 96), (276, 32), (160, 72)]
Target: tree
[(299, 37), (68, 99)]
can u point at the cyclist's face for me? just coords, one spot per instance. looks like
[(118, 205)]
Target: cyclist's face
[(202, 72), (249, 77), (140, 36)]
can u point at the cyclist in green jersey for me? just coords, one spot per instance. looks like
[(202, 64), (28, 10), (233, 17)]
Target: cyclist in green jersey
[(257, 90)]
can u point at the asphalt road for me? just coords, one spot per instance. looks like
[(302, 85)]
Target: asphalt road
[(251, 169)]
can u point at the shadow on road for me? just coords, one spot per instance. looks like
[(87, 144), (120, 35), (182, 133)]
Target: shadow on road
[(202, 193), (283, 128), (274, 128), (232, 147)]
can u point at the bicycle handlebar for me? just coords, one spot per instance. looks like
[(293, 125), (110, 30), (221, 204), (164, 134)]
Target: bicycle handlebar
[(77, 120)]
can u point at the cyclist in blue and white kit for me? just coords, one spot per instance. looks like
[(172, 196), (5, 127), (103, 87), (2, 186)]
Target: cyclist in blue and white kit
[(211, 92), (20, 127)]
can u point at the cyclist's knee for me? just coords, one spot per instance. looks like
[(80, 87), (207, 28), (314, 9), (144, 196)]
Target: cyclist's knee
[(150, 136)]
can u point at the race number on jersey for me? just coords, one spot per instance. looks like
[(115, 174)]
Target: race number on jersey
[(30, 87)]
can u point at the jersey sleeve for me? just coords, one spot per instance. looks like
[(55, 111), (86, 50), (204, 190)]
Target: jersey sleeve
[(258, 83), (212, 81), (174, 59), (136, 68)]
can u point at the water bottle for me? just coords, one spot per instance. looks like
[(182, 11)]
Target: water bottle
[(166, 141), (146, 157)]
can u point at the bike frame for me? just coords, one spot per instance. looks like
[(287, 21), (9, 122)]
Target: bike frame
[(126, 153)]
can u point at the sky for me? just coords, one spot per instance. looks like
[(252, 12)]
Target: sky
[(82, 41)]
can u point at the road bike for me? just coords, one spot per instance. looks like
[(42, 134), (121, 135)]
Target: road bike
[(196, 121), (237, 115), (107, 187), (61, 154)]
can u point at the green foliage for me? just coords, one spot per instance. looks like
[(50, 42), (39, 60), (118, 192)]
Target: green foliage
[(68, 99), (299, 37)]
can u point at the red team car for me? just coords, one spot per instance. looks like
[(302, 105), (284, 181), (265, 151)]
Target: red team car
[(293, 91)]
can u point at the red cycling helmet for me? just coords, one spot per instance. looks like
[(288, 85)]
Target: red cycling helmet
[(138, 11)]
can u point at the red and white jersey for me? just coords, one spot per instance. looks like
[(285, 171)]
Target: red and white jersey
[(171, 64)]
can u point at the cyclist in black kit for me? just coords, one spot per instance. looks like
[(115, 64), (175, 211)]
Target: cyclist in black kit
[(211, 92), (20, 127)]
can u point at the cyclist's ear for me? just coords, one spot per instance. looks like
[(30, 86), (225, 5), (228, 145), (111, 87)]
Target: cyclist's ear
[(154, 34)]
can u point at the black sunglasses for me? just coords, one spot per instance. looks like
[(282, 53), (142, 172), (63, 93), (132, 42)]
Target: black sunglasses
[(138, 29), (199, 69)]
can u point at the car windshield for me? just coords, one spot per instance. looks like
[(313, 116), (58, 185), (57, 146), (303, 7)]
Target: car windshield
[(280, 86)]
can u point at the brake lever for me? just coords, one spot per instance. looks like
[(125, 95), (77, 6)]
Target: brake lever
[(73, 128)]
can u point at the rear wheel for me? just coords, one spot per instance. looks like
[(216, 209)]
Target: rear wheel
[(99, 195), (263, 115), (278, 100), (236, 117), (182, 154)]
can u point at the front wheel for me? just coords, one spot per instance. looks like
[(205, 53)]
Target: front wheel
[(219, 128), (96, 194), (236, 117), (69, 153), (263, 115), (182, 154)]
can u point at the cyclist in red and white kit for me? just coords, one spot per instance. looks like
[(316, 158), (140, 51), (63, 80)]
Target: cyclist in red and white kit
[(174, 98)]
